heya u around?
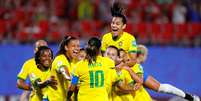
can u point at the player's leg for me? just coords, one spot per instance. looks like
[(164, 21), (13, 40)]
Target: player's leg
[(170, 89), (153, 84)]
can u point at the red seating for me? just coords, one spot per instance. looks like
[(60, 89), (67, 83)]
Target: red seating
[(140, 30), (194, 29), (22, 36), (55, 36), (129, 27)]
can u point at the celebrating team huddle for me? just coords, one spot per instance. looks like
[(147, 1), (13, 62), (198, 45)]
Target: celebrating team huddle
[(106, 70)]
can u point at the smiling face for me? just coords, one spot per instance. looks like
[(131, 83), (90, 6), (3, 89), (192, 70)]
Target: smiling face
[(46, 58), (112, 54), (128, 60), (82, 55), (117, 26), (73, 48)]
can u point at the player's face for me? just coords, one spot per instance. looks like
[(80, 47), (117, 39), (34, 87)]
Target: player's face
[(122, 54), (117, 26), (46, 58), (127, 60), (73, 48), (82, 55), (112, 54)]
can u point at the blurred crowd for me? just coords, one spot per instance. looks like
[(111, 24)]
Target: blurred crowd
[(152, 22)]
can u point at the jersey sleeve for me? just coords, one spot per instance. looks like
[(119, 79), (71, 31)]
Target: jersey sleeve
[(60, 62), (23, 74), (76, 70), (132, 45), (127, 77), (109, 62), (138, 69), (104, 43)]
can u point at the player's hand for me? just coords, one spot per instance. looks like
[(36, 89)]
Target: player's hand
[(137, 86), (52, 82), (119, 66)]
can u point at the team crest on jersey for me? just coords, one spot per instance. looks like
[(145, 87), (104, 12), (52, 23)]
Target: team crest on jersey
[(120, 43), (59, 63)]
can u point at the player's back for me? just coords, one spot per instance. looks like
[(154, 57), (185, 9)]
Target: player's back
[(93, 79), (141, 94)]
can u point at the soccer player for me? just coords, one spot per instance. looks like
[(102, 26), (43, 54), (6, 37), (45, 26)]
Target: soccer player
[(62, 67), (141, 94), (23, 74), (40, 74), (151, 83), (82, 54), (92, 74), (118, 37), (120, 78)]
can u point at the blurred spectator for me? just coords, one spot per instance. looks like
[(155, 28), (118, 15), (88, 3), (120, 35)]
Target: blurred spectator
[(151, 21), (193, 14), (85, 9), (179, 13)]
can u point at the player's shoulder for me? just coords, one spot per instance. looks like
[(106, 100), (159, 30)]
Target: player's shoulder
[(30, 61), (107, 35), (60, 56), (136, 65), (107, 59), (108, 62), (128, 35)]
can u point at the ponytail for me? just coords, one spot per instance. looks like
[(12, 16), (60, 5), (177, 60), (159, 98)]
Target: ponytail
[(92, 49)]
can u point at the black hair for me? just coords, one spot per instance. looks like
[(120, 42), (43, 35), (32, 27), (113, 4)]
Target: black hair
[(92, 49), (117, 11), (41, 49), (114, 47), (63, 43), (121, 50), (82, 49)]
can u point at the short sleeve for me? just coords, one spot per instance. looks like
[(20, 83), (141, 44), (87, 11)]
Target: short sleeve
[(104, 43), (127, 76), (76, 70), (60, 62), (138, 69), (23, 74), (132, 46)]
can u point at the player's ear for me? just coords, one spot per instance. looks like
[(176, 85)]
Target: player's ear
[(124, 26), (66, 48)]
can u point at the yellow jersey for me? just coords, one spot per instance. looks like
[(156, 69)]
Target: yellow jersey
[(126, 42), (93, 79), (141, 94), (24, 73), (126, 80), (31, 70), (113, 78), (59, 94)]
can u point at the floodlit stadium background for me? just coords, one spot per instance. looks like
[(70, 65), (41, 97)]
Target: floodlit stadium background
[(170, 28)]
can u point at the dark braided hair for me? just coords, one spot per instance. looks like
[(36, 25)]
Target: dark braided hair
[(41, 49), (117, 11)]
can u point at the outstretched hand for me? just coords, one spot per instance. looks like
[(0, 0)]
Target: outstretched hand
[(52, 82)]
